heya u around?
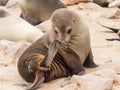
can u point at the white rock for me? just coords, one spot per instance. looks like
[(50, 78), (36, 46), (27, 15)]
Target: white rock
[(69, 87), (115, 3), (11, 51), (12, 3), (99, 80)]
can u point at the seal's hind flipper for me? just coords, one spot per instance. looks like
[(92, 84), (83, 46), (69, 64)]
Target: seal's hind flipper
[(39, 79)]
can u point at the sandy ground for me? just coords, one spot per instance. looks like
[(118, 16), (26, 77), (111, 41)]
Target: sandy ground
[(106, 53)]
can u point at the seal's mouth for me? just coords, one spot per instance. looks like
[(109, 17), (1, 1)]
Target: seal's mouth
[(65, 45)]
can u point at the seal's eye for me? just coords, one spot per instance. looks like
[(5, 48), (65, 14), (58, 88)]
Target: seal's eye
[(69, 31), (55, 32)]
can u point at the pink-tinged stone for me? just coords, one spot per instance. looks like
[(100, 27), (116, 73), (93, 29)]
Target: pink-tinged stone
[(71, 2), (98, 80)]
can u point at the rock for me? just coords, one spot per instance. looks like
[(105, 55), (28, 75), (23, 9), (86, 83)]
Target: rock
[(110, 13), (11, 51), (13, 8), (90, 6), (107, 73), (12, 3), (71, 2), (115, 15), (69, 87), (115, 3), (99, 80), (117, 68), (90, 82)]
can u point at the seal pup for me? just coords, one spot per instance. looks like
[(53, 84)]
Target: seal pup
[(15, 28), (44, 26), (70, 29), (116, 30), (37, 11)]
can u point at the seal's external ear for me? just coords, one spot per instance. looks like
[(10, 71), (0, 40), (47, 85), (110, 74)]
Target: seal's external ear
[(73, 21)]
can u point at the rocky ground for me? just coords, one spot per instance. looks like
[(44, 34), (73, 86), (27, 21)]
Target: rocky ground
[(106, 54)]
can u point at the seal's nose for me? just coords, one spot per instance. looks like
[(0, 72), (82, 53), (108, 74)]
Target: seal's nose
[(64, 41)]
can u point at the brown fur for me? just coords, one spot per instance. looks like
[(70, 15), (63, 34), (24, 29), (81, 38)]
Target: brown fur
[(71, 30), (103, 3), (3, 2), (37, 11)]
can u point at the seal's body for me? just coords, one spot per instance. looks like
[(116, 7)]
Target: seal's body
[(37, 11), (70, 29), (14, 28)]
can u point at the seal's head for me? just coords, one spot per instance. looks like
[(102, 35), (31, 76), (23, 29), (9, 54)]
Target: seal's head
[(62, 24)]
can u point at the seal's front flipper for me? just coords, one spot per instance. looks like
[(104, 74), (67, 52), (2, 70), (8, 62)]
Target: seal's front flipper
[(51, 53), (39, 79), (89, 63)]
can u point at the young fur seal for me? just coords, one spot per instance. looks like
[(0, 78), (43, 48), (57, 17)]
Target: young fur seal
[(37, 11), (73, 50), (15, 28)]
